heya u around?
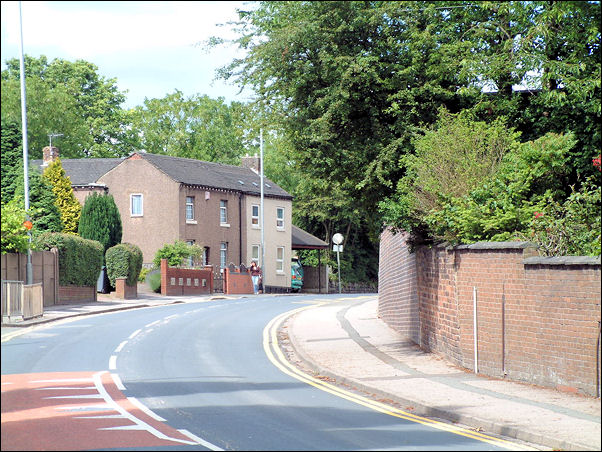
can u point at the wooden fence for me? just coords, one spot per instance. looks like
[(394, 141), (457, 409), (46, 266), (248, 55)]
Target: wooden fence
[(21, 300), (45, 268)]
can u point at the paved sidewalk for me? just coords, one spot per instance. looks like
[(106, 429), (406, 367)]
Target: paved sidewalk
[(346, 342)]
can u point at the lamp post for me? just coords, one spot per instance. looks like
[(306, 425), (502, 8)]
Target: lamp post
[(28, 266), (337, 239)]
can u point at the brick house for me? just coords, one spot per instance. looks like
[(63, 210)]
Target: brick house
[(216, 206)]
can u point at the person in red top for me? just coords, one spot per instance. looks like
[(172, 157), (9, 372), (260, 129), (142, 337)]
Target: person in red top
[(255, 276)]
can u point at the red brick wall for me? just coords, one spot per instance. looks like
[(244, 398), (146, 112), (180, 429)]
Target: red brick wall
[(124, 291), (76, 294), (185, 281), (537, 318), (237, 283), (398, 299)]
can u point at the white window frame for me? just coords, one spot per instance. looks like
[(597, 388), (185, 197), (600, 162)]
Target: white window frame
[(255, 254), (223, 212), (279, 221), (255, 218), (136, 196), (279, 260), (223, 254), (190, 203)]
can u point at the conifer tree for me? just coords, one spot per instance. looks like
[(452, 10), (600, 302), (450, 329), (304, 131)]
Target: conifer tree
[(43, 211), (66, 202), (100, 220)]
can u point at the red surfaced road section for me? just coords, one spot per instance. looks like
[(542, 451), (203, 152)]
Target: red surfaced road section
[(75, 411)]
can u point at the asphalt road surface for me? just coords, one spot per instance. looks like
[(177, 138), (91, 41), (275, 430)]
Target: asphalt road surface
[(198, 376)]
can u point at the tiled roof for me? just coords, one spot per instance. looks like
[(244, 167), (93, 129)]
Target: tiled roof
[(304, 240), (84, 171), (187, 171), (213, 175)]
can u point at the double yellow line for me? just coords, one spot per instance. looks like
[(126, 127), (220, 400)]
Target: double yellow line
[(275, 355)]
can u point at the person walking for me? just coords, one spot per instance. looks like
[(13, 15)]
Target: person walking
[(255, 276)]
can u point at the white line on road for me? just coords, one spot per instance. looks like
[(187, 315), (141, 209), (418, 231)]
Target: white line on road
[(120, 347), (134, 333)]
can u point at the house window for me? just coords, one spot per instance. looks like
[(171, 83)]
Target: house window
[(189, 208), (223, 254), (205, 258), (190, 260), (255, 254), (136, 204), (255, 215), (223, 212), (280, 259), (280, 217)]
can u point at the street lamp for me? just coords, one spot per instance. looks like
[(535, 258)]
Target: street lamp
[(337, 239)]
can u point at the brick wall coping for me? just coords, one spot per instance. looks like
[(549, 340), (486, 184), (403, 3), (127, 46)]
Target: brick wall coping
[(562, 260), (496, 246)]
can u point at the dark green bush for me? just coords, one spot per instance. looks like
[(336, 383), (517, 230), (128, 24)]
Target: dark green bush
[(100, 220), (124, 261), (80, 260)]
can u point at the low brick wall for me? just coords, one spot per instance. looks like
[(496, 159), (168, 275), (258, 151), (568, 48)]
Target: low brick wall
[(77, 294), (538, 319), (237, 282), (185, 281)]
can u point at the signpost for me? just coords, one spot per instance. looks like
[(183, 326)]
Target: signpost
[(337, 239)]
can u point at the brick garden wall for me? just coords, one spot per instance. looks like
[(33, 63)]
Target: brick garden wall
[(537, 318), (185, 281)]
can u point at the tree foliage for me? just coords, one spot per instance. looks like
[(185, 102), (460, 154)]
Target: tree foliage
[(91, 118), (12, 158), (176, 252), (100, 220), (15, 238), (66, 202), (350, 85), (197, 127)]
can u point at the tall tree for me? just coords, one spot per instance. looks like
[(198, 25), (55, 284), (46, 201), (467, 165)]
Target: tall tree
[(196, 127), (100, 220), (66, 202), (92, 98)]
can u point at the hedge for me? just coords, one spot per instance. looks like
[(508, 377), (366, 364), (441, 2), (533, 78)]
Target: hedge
[(80, 260), (124, 261)]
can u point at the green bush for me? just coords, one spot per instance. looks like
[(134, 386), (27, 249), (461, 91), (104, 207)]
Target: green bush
[(124, 261), (14, 235), (80, 260), (100, 220), (153, 279), (176, 252), (143, 272)]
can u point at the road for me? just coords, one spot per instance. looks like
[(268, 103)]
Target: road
[(199, 376)]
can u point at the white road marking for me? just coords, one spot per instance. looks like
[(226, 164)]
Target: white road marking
[(120, 347), (144, 408), (134, 334)]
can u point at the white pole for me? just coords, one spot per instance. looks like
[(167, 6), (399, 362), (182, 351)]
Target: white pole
[(476, 355), (28, 267), (261, 201), (339, 266)]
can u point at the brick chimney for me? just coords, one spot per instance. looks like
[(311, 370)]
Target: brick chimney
[(253, 163), (49, 155)]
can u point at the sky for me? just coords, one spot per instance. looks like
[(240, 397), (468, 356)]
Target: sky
[(150, 48)]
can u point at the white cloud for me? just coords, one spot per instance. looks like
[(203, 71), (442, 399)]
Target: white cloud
[(149, 47), (87, 29)]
